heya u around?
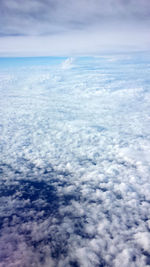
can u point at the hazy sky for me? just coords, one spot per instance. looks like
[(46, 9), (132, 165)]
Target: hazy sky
[(64, 27)]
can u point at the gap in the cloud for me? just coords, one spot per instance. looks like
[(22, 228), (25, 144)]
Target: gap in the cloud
[(30, 61), (35, 194)]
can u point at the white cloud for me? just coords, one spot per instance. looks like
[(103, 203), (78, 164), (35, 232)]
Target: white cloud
[(74, 162), (67, 64), (93, 41)]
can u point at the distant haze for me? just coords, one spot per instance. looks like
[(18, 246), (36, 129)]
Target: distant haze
[(68, 27)]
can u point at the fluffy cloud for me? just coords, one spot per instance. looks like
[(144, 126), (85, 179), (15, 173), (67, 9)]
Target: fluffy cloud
[(74, 188)]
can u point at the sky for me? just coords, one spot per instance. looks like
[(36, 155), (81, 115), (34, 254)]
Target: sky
[(68, 27)]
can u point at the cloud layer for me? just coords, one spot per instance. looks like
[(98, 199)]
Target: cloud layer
[(108, 20), (74, 187), (51, 16)]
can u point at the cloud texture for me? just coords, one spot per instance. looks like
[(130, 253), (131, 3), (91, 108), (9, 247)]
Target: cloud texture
[(108, 20), (49, 16), (74, 187)]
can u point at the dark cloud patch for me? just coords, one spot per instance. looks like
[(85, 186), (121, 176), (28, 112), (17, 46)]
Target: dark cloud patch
[(37, 202)]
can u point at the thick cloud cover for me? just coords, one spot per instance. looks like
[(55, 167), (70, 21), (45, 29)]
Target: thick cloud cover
[(51, 16), (111, 23), (75, 150)]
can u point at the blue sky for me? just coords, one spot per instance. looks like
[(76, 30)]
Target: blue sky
[(64, 27)]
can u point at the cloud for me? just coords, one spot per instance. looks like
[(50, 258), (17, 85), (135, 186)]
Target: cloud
[(67, 64), (74, 187), (73, 44), (109, 21), (68, 14)]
